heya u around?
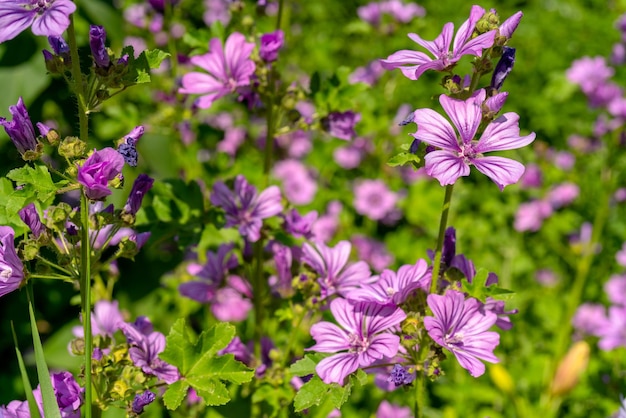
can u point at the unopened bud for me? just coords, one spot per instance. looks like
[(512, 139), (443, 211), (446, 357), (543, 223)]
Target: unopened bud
[(72, 147), (570, 369)]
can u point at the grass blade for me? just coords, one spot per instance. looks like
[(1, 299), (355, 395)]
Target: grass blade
[(32, 404)]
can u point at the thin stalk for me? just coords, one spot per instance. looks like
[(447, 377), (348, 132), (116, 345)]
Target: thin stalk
[(443, 223), (54, 265), (171, 42), (269, 137), (279, 15), (51, 277), (85, 287), (259, 297), (419, 395)]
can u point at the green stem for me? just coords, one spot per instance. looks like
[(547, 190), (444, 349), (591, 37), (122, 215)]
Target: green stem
[(419, 394), (259, 297), (443, 223), (54, 265), (269, 138), (171, 42), (85, 286), (51, 277), (279, 15)]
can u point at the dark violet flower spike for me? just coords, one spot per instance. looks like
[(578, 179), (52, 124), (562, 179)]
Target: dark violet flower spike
[(271, 43), (503, 67), (128, 148), (341, 124), (11, 267), (59, 46), (97, 38), (142, 400), (45, 17), (20, 129), (142, 184), (400, 376)]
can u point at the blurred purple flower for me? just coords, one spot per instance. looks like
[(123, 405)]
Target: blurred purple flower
[(297, 143), (362, 334), (299, 226), (228, 68), (373, 199), (246, 208), (299, 186), (271, 43), (532, 177), (20, 129), (530, 215), (454, 158), (413, 64), (612, 331), (394, 288), (216, 11), (28, 215), (563, 194), (96, 172), (615, 289), (372, 252), (106, 319), (331, 264), (99, 53), (45, 17), (210, 274), (368, 74), (281, 281), (589, 73), (402, 12), (326, 225), (341, 124), (234, 137), (388, 410), (618, 54), (232, 302), (15, 409), (546, 277), (68, 394), (141, 186), (620, 257), (145, 347), (142, 400), (11, 267), (460, 327), (351, 155)]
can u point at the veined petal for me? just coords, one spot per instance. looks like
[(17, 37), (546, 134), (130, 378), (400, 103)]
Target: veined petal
[(503, 171), (313, 258), (445, 166), (334, 369), (467, 28), (55, 19), (212, 62), (200, 83), (447, 308), (437, 65), (470, 363), (14, 19), (406, 60), (381, 317), (237, 56), (354, 275), (435, 130), (268, 203), (475, 46), (345, 314), (382, 345), (443, 41), (329, 337), (336, 258), (503, 134), (465, 114)]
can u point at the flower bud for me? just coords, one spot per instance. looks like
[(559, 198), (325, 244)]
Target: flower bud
[(571, 367), (97, 38), (20, 129), (72, 147)]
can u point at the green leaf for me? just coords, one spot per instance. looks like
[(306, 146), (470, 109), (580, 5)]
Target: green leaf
[(306, 365), (50, 406), (32, 404), (12, 203), (175, 393), (35, 179), (310, 394), (197, 361), (155, 57), (404, 158), (339, 395)]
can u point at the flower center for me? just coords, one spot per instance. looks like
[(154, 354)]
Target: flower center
[(454, 340), (467, 152), (40, 6), (444, 57), (357, 344), (390, 291), (6, 272)]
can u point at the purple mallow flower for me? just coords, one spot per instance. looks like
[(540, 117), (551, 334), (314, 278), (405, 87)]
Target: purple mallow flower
[(271, 43), (145, 347), (455, 156), (106, 319), (68, 394), (299, 226), (141, 186), (395, 287), (228, 69), (341, 124), (142, 400), (460, 326), (364, 335), (388, 410), (97, 38), (96, 172), (413, 64), (211, 274), (20, 129), (244, 207), (400, 376), (298, 184), (28, 215), (11, 267), (331, 264), (45, 17)]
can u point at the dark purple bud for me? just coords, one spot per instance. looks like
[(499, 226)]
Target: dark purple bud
[(47, 55), (271, 43), (409, 119), (503, 67), (97, 38), (449, 246), (134, 135), (28, 215), (142, 184), (127, 149), (123, 60), (58, 44), (43, 128), (400, 376), (142, 400), (414, 146), (492, 278), (20, 129)]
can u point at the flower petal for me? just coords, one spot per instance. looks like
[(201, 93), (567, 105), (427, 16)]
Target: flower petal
[(14, 19), (435, 130), (445, 166), (503, 171), (329, 338), (467, 28), (465, 114), (334, 369), (503, 134), (55, 19)]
